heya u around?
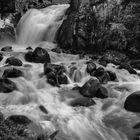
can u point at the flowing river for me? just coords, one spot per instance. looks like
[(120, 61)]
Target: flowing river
[(107, 120)]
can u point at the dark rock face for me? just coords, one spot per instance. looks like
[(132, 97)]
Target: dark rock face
[(99, 72), (53, 68), (132, 102), (7, 85), (12, 73), (14, 61), (91, 66), (7, 33), (55, 74), (7, 6), (39, 55), (104, 76), (93, 88), (80, 21), (92, 28), (112, 75), (83, 101), (7, 49)]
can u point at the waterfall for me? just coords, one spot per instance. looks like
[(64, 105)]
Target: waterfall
[(106, 120), (40, 25)]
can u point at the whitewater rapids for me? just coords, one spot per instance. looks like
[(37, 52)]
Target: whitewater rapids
[(107, 120)]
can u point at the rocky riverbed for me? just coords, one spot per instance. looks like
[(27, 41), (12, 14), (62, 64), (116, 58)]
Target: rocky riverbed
[(70, 72)]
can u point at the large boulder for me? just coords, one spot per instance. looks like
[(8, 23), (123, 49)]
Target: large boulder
[(19, 119), (14, 61), (12, 73), (55, 74), (39, 55), (132, 102), (82, 101), (92, 88), (20, 127), (7, 85)]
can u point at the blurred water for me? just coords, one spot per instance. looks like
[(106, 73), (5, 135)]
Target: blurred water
[(107, 120)]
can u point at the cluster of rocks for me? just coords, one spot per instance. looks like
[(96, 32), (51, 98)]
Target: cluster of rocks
[(10, 71), (100, 73), (119, 59), (20, 127), (55, 74)]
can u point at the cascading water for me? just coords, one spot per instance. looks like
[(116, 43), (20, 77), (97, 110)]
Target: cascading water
[(107, 120), (40, 25)]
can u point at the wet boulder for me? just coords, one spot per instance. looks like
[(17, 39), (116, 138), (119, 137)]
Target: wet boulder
[(55, 74), (39, 55), (43, 109), (29, 56), (101, 75), (91, 66), (12, 73), (112, 75), (103, 63), (132, 102), (99, 72), (6, 85), (92, 88), (19, 119), (7, 49), (29, 48), (53, 68), (104, 76), (82, 101), (14, 61)]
